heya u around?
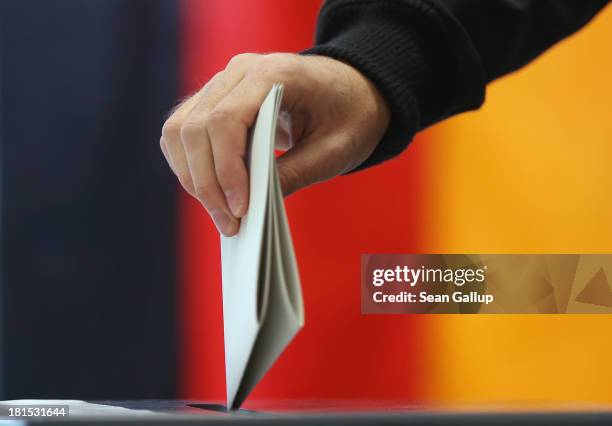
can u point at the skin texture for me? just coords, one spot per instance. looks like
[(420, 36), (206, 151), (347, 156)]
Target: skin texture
[(331, 120)]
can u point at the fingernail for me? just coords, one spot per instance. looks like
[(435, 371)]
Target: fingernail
[(234, 203), (225, 224)]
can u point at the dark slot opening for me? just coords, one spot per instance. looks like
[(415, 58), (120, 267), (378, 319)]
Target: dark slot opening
[(219, 408)]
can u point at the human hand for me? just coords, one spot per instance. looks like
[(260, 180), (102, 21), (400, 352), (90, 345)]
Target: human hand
[(331, 120)]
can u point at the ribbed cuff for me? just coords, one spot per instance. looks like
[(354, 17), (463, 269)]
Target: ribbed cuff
[(416, 53), (389, 54)]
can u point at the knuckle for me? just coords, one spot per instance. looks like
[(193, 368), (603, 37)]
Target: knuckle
[(240, 59), (218, 118), (275, 67), (226, 126), (217, 83), (273, 58), (190, 132), (338, 150), (171, 128), (203, 192), (262, 70), (284, 65)]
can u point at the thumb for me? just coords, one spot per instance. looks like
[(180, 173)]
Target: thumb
[(313, 159)]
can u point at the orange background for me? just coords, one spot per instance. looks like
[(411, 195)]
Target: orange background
[(529, 172)]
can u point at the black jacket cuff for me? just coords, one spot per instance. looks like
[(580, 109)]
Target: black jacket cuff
[(405, 49)]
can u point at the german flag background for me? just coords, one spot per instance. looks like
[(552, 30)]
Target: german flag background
[(528, 173), (110, 284)]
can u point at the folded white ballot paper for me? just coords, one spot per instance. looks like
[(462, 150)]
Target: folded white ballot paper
[(262, 297)]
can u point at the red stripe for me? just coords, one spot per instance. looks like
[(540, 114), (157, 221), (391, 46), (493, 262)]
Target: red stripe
[(340, 353)]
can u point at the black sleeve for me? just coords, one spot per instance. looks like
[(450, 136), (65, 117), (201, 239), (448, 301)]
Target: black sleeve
[(432, 59)]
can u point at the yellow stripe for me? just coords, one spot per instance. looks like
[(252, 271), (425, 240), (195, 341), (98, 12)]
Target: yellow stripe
[(531, 172)]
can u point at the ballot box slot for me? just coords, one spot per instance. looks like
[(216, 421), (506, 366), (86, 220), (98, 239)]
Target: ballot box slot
[(220, 408)]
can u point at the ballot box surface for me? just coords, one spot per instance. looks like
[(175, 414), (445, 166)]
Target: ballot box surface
[(308, 412)]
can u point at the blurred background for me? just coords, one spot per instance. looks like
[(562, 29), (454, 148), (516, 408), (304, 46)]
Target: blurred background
[(111, 276)]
